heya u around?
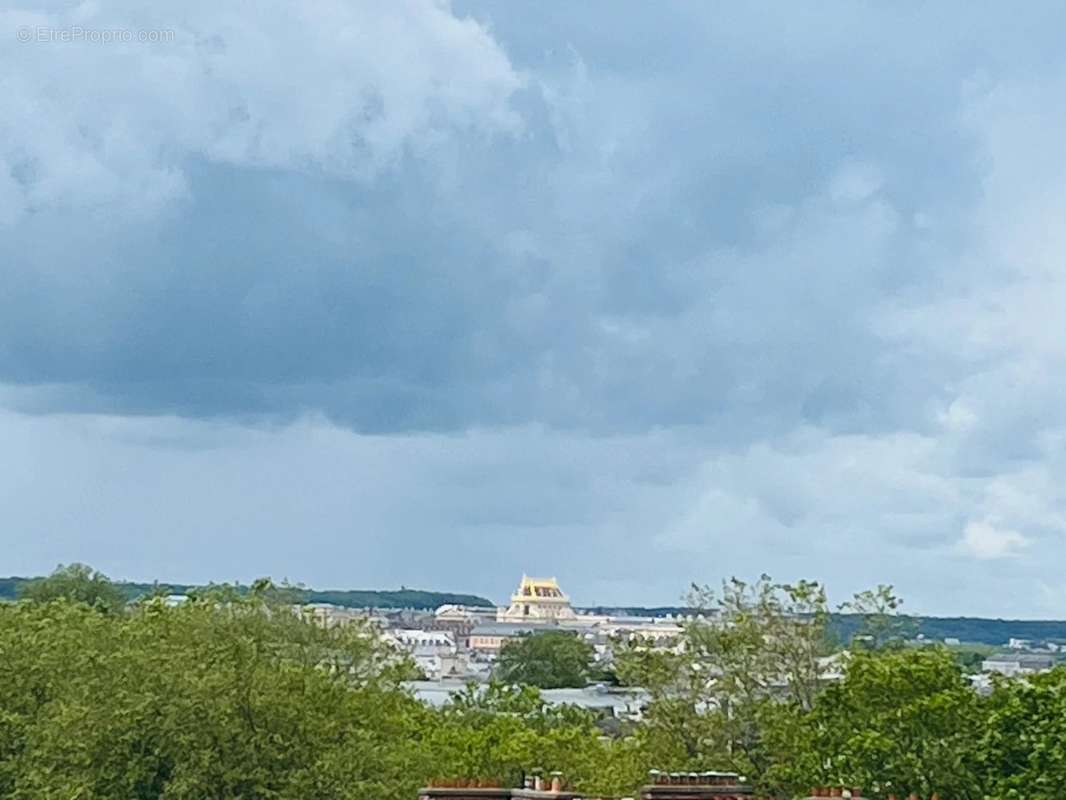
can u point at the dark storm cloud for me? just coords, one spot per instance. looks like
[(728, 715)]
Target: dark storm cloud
[(660, 242), (766, 290)]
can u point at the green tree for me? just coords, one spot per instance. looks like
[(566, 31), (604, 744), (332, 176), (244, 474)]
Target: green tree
[(237, 695), (222, 697), (1023, 738), (882, 624), (78, 582), (547, 660), (500, 730), (899, 721), (752, 657)]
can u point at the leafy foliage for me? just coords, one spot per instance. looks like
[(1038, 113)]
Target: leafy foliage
[(900, 721), (882, 624), (1022, 746), (750, 691), (756, 650), (213, 699), (548, 660), (76, 582), (503, 729), (236, 695)]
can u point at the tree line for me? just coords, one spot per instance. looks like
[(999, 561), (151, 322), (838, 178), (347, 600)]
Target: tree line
[(13, 587), (842, 625), (237, 695)]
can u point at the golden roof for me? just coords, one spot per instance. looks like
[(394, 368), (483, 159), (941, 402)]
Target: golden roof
[(539, 589)]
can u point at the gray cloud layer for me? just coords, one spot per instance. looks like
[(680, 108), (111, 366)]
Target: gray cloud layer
[(773, 290)]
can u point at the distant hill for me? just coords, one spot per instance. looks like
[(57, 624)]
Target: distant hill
[(401, 598), (351, 598), (965, 629), (968, 629)]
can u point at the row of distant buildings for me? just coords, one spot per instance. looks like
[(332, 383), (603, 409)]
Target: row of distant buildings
[(1013, 664), (456, 644), (539, 604), (1021, 657), (461, 642)]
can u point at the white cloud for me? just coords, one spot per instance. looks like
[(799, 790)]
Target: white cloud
[(958, 417), (855, 182), (342, 88), (985, 541)]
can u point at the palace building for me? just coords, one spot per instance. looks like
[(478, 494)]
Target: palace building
[(538, 600), (539, 604)]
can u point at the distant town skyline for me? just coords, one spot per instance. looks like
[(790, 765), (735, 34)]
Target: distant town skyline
[(435, 294), (500, 602)]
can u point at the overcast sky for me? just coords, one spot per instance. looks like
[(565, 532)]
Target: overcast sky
[(364, 294)]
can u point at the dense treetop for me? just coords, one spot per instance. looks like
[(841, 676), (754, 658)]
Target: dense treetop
[(236, 695), (547, 660)]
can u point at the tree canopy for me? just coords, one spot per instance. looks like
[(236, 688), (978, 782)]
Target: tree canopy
[(219, 698), (1021, 745), (237, 695), (899, 721), (547, 660), (77, 582)]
